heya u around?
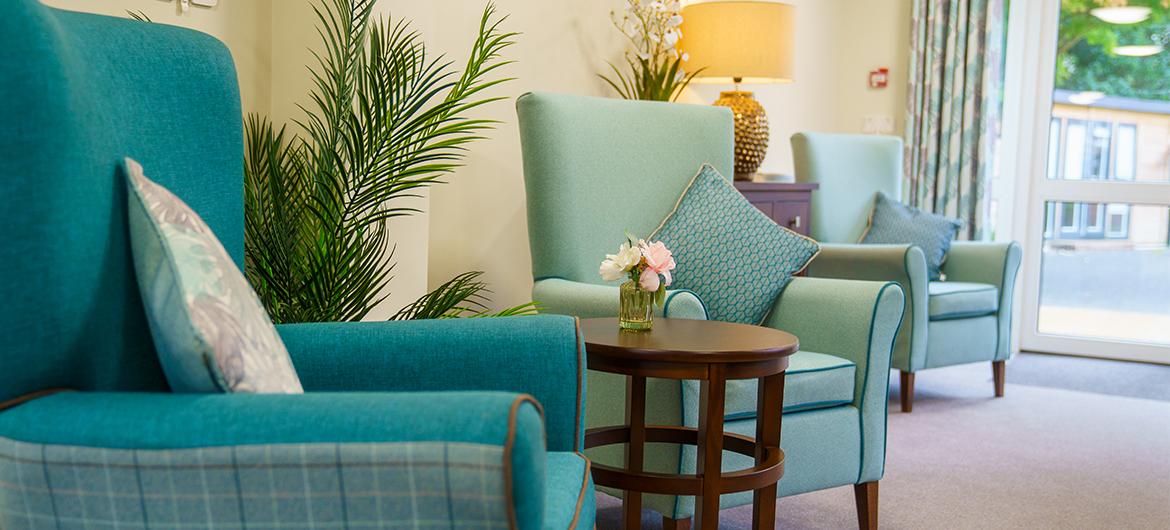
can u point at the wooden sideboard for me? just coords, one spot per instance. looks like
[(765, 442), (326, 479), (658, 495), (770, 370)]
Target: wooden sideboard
[(787, 203)]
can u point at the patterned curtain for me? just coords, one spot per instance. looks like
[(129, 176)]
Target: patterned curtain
[(952, 114)]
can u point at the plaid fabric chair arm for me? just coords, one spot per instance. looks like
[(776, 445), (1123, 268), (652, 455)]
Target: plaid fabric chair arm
[(324, 460), (542, 355)]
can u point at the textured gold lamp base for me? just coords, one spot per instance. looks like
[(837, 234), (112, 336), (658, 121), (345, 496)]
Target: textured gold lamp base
[(751, 131)]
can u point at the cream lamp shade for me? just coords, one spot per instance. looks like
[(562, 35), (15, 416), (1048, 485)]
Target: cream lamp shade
[(752, 41)]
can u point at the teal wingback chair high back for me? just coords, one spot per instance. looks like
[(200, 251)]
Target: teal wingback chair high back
[(596, 167), (381, 434), (966, 318)]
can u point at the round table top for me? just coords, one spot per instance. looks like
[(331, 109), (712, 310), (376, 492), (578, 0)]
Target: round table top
[(688, 341)]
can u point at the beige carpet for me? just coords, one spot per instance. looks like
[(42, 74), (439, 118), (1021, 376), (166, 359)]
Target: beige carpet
[(1038, 458)]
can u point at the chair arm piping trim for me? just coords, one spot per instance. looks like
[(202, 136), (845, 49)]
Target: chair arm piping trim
[(578, 419), (801, 407), (666, 305), (907, 307), (1006, 308), (865, 381), (584, 489), (508, 445), (979, 290), (20, 400), (957, 315), (821, 369)]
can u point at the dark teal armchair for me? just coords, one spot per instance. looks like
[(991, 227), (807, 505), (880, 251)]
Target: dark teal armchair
[(596, 167), (470, 423), (965, 319)]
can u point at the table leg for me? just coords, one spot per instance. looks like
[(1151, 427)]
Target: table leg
[(635, 450), (710, 446), (770, 405)]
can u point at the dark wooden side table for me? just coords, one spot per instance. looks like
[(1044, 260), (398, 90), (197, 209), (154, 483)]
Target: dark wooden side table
[(711, 352), (787, 203)]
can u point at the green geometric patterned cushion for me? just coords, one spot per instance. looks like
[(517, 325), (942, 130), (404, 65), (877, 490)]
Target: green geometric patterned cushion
[(729, 253), (892, 222), (209, 328)]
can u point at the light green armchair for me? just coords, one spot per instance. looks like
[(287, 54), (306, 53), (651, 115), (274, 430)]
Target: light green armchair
[(964, 319), (597, 167)]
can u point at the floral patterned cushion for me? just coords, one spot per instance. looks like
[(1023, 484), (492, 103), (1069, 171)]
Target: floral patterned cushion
[(210, 330), (735, 258), (892, 222)]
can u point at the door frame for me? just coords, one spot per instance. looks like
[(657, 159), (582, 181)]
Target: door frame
[(1029, 81)]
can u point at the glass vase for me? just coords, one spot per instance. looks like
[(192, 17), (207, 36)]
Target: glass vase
[(637, 307)]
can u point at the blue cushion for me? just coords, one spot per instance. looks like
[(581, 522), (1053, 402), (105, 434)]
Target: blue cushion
[(813, 381), (569, 502), (950, 300), (891, 222), (735, 258), (210, 330)]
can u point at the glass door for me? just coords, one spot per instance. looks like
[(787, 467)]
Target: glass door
[(1095, 219)]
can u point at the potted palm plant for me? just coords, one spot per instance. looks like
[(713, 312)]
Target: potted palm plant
[(386, 119)]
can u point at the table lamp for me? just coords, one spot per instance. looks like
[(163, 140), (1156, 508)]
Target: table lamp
[(741, 42)]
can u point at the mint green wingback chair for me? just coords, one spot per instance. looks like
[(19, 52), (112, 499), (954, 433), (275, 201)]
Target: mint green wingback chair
[(966, 318), (596, 167), (434, 423)]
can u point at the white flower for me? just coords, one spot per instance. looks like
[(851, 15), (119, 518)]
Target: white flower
[(611, 271), (675, 21), (628, 257), (617, 265), (670, 37), (686, 57)]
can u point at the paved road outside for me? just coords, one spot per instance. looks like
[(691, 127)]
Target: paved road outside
[(1109, 294)]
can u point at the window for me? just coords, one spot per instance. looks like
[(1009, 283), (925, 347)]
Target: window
[(1126, 165), (1097, 151), (1117, 221), (1069, 218), (1049, 220), (1074, 150), (1094, 216), (1054, 148)]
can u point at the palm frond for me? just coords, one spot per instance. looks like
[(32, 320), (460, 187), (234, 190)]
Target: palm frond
[(462, 296), (384, 120)]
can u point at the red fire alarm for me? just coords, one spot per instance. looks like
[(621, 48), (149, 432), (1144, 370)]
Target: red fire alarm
[(879, 78)]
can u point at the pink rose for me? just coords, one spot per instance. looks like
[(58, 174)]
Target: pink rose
[(648, 280), (658, 259)]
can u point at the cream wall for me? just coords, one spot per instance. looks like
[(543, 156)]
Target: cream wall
[(244, 25)]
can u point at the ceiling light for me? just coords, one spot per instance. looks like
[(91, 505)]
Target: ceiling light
[(1087, 97), (1141, 50), (1122, 14)]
